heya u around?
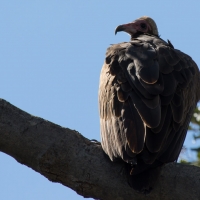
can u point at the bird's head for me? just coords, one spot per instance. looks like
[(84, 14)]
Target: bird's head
[(142, 25)]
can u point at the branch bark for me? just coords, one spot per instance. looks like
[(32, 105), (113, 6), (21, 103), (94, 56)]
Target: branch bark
[(65, 156)]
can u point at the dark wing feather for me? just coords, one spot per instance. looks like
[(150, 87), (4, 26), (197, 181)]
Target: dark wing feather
[(147, 94)]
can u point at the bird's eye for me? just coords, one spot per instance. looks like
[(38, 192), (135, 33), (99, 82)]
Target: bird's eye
[(143, 25)]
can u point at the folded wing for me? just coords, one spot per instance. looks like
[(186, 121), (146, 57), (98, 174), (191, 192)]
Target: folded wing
[(148, 91)]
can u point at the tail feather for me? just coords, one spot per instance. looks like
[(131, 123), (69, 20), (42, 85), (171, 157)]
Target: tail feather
[(143, 178)]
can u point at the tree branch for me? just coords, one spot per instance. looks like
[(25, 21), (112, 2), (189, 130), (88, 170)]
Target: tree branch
[(65, 156)]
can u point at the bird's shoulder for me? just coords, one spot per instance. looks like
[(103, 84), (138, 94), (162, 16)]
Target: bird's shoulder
[(143, 50)]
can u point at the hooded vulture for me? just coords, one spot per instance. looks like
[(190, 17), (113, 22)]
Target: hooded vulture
[(147, 94)]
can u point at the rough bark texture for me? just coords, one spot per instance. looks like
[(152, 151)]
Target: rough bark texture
[(65, 156)]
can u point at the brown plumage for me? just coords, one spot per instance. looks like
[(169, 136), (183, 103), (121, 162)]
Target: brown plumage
[(147, 93)]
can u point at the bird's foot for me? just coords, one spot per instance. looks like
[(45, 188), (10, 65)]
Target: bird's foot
[(95, 142)]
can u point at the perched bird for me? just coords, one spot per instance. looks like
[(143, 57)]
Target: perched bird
[(147, 94)]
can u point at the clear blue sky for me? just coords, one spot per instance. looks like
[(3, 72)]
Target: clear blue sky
[(51, 53)]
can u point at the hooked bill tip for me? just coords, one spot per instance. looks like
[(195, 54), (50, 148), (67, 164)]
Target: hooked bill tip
[(119, 28)]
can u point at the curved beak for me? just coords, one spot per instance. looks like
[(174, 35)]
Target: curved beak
[(119, 28), (128, 28)]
